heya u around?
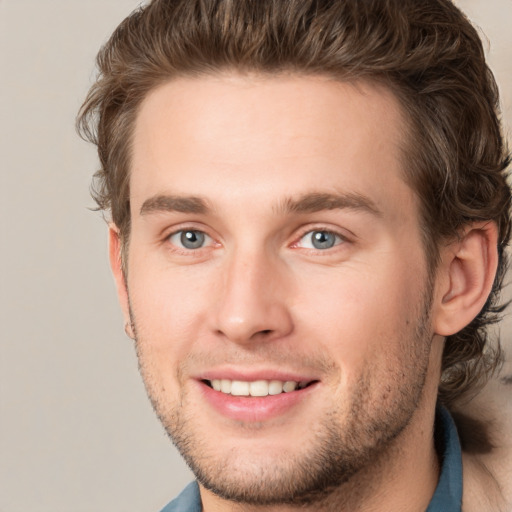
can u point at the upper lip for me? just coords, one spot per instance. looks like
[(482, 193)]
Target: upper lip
[(251, 374)]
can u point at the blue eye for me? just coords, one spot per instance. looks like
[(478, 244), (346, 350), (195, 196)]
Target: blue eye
[(189, 239), (320, 240)]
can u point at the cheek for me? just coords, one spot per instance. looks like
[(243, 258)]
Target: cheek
[(360, 318), (168, 314)]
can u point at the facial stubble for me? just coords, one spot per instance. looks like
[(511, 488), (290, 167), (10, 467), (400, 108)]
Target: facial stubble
[(342, 447)]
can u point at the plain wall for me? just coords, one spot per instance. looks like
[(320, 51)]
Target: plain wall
[(76, 430)]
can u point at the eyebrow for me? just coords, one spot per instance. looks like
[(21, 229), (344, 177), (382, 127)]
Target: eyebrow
[(307, 203), (318, 201), (170, 203)]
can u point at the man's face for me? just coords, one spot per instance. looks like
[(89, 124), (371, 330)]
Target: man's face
[(274, 245)]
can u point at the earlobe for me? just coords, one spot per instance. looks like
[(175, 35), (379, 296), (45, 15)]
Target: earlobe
[(465, 277), (119, 276)]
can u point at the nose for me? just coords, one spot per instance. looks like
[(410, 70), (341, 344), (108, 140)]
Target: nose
[(252, 305)]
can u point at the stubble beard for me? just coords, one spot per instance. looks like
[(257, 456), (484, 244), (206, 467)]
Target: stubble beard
[(343, 454)]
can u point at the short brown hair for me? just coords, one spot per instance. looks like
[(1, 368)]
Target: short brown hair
[(425, 51)]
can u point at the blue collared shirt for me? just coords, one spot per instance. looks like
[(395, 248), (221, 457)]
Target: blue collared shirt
[(448, 494)]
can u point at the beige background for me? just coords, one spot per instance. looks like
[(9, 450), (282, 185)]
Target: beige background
[(76, 431)]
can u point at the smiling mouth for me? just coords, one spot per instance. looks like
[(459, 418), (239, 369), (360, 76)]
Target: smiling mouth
[(257, 387)]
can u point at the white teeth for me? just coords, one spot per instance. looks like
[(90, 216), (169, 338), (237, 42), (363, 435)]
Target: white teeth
[(255, 388), (275, 387), (289, 385), (258, 388), (239, 388), (225, 386)]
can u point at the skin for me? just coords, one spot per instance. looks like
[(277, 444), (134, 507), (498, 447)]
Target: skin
[(362, 319)]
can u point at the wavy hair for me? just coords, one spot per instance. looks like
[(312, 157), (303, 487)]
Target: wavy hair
[(426, 52)]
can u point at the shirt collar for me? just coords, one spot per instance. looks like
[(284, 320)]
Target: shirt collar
[(448, 494)]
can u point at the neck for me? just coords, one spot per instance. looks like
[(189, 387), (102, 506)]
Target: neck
[(403, 478)]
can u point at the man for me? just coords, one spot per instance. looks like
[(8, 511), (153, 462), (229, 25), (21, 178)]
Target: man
[(309, 216)]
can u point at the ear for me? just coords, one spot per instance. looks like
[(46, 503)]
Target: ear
[(119, 276), (465, 277)]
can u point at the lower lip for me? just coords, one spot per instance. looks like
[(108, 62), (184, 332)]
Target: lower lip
[(254, 409)]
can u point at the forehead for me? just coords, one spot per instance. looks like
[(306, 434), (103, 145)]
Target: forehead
[(259, 136)]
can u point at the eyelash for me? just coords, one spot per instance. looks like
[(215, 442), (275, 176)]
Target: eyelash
[(340, 239), (187, 250)]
